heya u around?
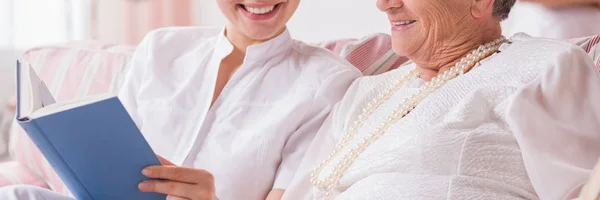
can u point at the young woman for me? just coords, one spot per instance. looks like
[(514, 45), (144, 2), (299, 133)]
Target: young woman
[(242, 103)]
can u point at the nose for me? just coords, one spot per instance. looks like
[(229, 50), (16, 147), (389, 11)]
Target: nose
[(386, 5)]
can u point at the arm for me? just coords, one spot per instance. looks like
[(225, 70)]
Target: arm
[(322, 145), (556, 121), (275, 194), (331, 91)]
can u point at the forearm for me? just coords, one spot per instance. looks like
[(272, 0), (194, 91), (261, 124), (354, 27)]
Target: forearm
[(275, 194)]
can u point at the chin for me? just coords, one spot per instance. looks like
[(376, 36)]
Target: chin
[(400, 48), (263, 34)]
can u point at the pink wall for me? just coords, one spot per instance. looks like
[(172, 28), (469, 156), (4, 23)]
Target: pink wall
[(126, 22)]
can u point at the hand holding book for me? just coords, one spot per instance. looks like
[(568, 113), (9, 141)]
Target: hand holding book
[(179, 182)]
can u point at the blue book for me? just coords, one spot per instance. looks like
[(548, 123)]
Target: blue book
[(92, 144)]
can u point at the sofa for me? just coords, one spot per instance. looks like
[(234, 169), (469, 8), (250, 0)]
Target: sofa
[(78, 69)]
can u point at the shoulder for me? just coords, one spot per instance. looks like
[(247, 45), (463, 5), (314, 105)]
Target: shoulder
[(556, 59), (540, 48), (177, 40), (168, 34), (167, 52), (322, 62), (371, 86), (529, 56)]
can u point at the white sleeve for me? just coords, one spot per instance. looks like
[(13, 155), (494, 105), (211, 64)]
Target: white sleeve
[(320, 148), (134, 77), (332, 91), (556, 121)]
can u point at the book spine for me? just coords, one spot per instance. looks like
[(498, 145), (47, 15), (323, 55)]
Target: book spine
[(63, 170)]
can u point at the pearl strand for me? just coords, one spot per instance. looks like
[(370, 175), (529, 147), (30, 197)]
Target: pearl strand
[(402, 110)]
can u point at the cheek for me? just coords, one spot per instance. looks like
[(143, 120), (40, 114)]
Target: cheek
[(291, 9), (433, 14), (443, 18), (228, 9)]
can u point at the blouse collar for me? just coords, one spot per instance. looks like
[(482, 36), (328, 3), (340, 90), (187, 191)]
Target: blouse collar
[(256, 52)]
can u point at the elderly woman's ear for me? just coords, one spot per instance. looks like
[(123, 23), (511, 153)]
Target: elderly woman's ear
[(482, 8)]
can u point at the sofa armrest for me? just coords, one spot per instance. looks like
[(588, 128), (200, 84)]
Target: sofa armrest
[(13, 173)]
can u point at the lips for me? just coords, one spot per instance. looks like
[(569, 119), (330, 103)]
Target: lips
[(258, 9), (403, 22), (259, 12), (401, 25)]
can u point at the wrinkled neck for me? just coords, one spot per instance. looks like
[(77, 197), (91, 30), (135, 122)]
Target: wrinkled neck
[(450, 53)]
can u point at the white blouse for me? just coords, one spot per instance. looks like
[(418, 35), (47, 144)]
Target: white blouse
[(254, 136), (525, 124)]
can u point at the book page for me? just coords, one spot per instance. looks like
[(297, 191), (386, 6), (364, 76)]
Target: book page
[(32, 93), (64, 106)]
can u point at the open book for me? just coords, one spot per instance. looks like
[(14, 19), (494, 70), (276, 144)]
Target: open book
[(92, 144)]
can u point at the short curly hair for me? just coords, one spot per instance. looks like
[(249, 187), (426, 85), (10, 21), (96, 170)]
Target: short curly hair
[(502, 8)]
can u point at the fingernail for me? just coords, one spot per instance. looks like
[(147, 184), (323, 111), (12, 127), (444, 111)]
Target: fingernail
[(143, 186), (146, 172)]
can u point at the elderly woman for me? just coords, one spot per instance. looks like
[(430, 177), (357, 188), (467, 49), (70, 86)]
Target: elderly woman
[(475, 116)]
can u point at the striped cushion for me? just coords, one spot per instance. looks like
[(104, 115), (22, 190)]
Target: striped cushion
[(372, 54), (13, 173), (75, 70)]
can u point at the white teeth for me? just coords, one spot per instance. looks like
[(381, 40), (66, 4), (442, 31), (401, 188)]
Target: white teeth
[(260, 11), (403, 22)]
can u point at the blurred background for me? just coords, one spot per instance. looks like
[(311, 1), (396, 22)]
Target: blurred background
[(25, 24)]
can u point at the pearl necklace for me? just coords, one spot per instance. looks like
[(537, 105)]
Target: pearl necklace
[(402, 110)]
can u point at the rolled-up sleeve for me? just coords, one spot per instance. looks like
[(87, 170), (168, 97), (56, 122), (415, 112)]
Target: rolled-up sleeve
[(331, 91), (556, 121)]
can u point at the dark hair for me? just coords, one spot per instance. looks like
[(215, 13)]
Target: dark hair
[(502, 8)]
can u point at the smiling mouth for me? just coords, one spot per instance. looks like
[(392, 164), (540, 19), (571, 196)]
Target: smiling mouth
[(259, 10), (403, 22)]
